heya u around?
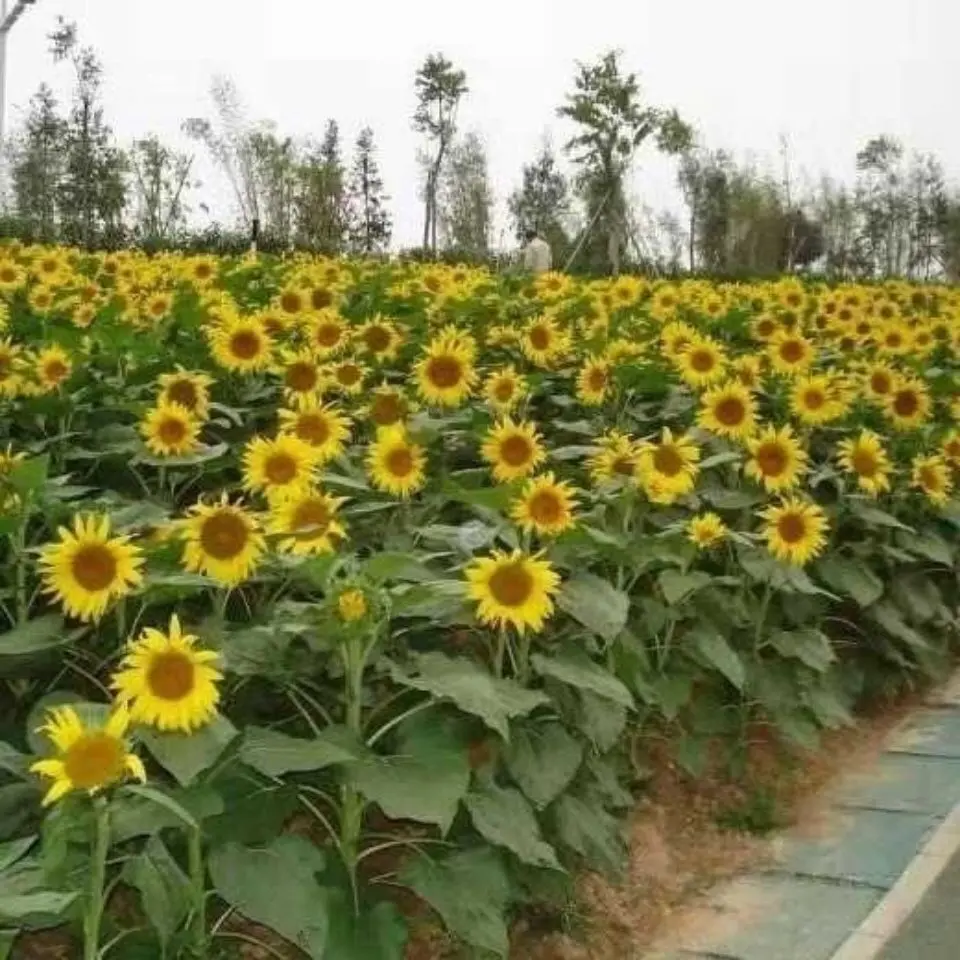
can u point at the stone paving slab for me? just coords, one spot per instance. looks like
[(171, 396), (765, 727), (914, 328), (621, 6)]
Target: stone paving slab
[(902, 781), (934, 733), (858, 846)]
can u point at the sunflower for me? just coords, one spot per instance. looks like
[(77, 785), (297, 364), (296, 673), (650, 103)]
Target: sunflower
[(514, 450), (52, 366), (776, 459), (668, 468), (543, 342), (241, 344), (221, 540), (388, 406), (395, 464), (675, 337), (10, 381), (166, 682), (931, 474), (950, 448), (512, 589), (795, 530), (791, 353), (593, 381), (379, 337), (169, 430), (88, 569), (324, 427), (327, 333), (765, 327), (12, 276), (445, 375), (879, 379), (701, 362), (187, 389), (504, 389), (866, 459), (278, 466), (351, 605), (894, 338), (307, 522), (302, 374), (616, 459), (908, 404), (815, 400), (748, 370), (545, 506), (347, 376), (88, 757), (9, 461), (202, 271), (292, 301), (728, 410), (706, 530)]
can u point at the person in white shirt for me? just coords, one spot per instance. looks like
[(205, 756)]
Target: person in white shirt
[(536, 254)]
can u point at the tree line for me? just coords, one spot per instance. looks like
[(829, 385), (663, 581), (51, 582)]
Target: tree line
[(72, 182)]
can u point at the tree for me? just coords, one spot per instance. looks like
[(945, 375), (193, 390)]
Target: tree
[(613, 124), (370, 224), (92, 189), (542, 202), (439, 87), (37, 166), (321, 198), (161, 177), (466, 199)]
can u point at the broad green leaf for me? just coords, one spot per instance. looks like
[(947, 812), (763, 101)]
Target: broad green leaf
[(379, 933), (164, 800), (677, 586), (7, 939), (473, 689), (132, 814), (588, 830), (875, 517), (424, 783), (275, 754), (850, 577), (506, 819), (398, 566), (543, 759), (929, 546), (13, 850), (277, 886), (809, 646), (573, 667), (203, 454), (12, 761), (28, 476), (35, 636), (717, 653), (595, 603), (20, 906), (601, 720), (469, 891), (186, 756), (163, 886)]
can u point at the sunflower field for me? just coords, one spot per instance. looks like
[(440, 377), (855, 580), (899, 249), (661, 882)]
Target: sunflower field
[(340, 598)]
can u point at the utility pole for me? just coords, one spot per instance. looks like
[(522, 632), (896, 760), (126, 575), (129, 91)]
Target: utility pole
[(7, 20)]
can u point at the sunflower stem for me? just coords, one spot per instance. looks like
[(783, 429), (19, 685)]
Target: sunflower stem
[(351, 815), (199, 893), (20, 569), (762, 618), (98, 871), (500, 652)]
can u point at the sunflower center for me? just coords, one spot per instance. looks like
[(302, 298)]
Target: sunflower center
[(516, 450), (597, 379), (311, 514), (314, 428), (94, 567), (791, 351), (290, 302), (245, 344), (545, 507), (172, 431), (55, 370), (930, 479), (301, 377), (624, 466), (94, 760), (703, 361), (348, 374), (377, 339), (503, 390), (880, 383), (387, 409), (906, 403), (814, 399), (399, 462), (730, 411), (444, 372), (766, 327), (864, 463), (171, 675), (202, 271), (511, 585), (771, 459), (327, 335), (321, 298), (280, 468), (792, 528), (184, 393), (540, 338), (667, 460), (7, 275), (223, 536)]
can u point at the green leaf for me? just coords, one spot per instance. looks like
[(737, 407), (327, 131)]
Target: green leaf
[(717, 653), (203, 454), (398, 566), (596, 604), (275, 754), (678, 586), (809, 646), (469, 891), (13, 850), (927, 545), (186, 756), (277, 886), (587, 829), (378, 933), (425, 783), (573, 667), (163, 886), (29, 476), (164, 800), (543, 760), (12, 761), (35, 636), (21, 906), (601, 720), (852, 578), (134, 815), (7, 939), (473, 689), (875, 517), (504, 817)]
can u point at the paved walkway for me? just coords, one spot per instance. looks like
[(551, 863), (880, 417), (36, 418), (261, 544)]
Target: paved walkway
[(851, 892)]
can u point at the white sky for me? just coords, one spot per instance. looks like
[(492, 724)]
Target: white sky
[(827, 74)]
